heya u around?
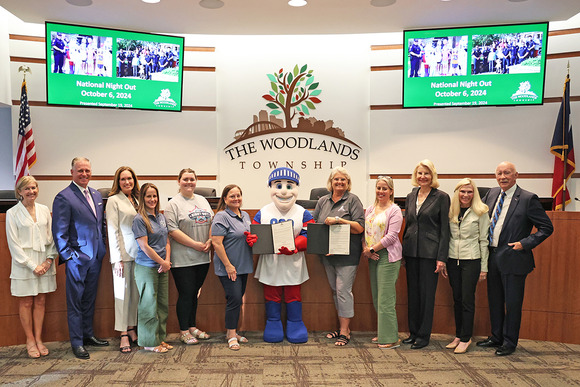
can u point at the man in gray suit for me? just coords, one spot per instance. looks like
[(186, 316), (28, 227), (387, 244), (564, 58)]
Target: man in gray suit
[(513, 213)]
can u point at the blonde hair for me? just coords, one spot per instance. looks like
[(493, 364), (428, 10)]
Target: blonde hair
[(23, 182), (429, 165), (477, 205), (389, 182), (142, 210), (333, 173)]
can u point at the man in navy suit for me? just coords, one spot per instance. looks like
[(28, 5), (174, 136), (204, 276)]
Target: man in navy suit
[(510, 254), (79, 231)]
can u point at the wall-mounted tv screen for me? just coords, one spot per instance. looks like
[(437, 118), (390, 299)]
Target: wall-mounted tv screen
[(475, 66), (107, 68)]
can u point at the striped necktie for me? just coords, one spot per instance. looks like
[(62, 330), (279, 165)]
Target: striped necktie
[(496, 216)]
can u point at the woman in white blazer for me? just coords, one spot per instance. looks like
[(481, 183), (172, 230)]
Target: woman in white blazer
[(33, 274), (468, 253), (121, 210)]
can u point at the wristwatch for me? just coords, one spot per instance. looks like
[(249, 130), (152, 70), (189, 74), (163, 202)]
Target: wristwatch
[(337, 219), (372, 250)]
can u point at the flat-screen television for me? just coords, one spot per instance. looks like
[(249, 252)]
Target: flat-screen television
[(108, 68), (475, 66)]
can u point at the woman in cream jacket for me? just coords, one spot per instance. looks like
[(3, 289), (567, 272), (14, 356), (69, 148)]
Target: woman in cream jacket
[(121, 210), (468, 253), (33, 274)]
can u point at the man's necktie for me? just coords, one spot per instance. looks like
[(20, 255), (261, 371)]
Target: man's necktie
[(88, 197), (496, 216)]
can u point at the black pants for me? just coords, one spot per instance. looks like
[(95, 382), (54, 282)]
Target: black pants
[(421, 287), (463, 277), (234, 297), (188, 281), (505, 293)]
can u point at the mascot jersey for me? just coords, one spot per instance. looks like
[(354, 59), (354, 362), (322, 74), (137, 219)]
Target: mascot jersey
[(280, 269)]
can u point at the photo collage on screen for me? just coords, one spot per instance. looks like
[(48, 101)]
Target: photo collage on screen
[(513, 53)]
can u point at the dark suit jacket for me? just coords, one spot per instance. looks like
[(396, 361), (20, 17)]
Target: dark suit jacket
[(426, 234), (77, 232), (524, 212)]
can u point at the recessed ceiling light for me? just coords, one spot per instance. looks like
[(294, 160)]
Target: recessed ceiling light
[(211, 4), (382, 3), (80, 3), (297, 3)]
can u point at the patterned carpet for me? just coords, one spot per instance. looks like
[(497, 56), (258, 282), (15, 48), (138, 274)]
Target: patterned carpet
[(316, 363)]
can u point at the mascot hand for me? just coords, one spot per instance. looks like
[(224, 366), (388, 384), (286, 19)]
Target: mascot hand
[(300, 241), (250, 238), (284, 250)]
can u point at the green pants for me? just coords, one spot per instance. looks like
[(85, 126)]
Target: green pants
[(383, 275), (153, 305)]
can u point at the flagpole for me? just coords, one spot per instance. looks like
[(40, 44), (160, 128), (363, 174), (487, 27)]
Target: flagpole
[(564, 130)]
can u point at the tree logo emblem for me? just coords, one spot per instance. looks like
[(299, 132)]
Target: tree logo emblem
[(293, 94)]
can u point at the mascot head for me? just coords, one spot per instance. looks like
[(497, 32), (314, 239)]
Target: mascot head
[(283, 183)]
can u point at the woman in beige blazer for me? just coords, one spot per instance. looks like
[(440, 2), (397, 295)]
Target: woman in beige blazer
[(120, 211), (468, 253)]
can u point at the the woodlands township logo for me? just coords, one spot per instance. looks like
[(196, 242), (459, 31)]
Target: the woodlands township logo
[(524, 93), (292, 97)]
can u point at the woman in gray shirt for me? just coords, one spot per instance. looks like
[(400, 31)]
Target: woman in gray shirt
[(342, 207), (189, 220)]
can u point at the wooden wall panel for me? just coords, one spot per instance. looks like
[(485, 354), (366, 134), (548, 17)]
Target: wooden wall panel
[(551, 311)]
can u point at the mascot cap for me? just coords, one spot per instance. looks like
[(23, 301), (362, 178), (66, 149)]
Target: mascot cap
[(284, 173)]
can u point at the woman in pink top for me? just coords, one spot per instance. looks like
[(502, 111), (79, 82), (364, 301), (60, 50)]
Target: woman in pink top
[(381, 245)]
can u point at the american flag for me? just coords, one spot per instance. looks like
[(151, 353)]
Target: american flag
[(26, 154)]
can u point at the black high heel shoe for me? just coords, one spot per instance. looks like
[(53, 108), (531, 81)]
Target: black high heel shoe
[(131, 341)]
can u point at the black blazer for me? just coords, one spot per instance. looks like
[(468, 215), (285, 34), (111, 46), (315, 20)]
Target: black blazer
[(525, 211), (426, 234)]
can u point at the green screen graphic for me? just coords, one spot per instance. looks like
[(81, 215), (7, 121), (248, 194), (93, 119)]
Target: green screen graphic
[(106, 68), (475, 66)]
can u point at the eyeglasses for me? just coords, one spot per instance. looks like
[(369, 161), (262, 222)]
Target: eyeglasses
[(384, 177)]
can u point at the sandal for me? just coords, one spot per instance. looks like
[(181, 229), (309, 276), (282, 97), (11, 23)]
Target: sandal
[(200, 334), (396, 344), (166, 346), (42, 349), (133, 341), (333, 335), (233, 344), (125, 348), (159, 349), (32, 350), (188, 339), (342, 340), (241, 339), (375, 340)]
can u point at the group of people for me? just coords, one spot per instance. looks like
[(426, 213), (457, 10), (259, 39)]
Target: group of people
[(144, 61), (500, 55), (464, 238), (437, 57), (82, 55)]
